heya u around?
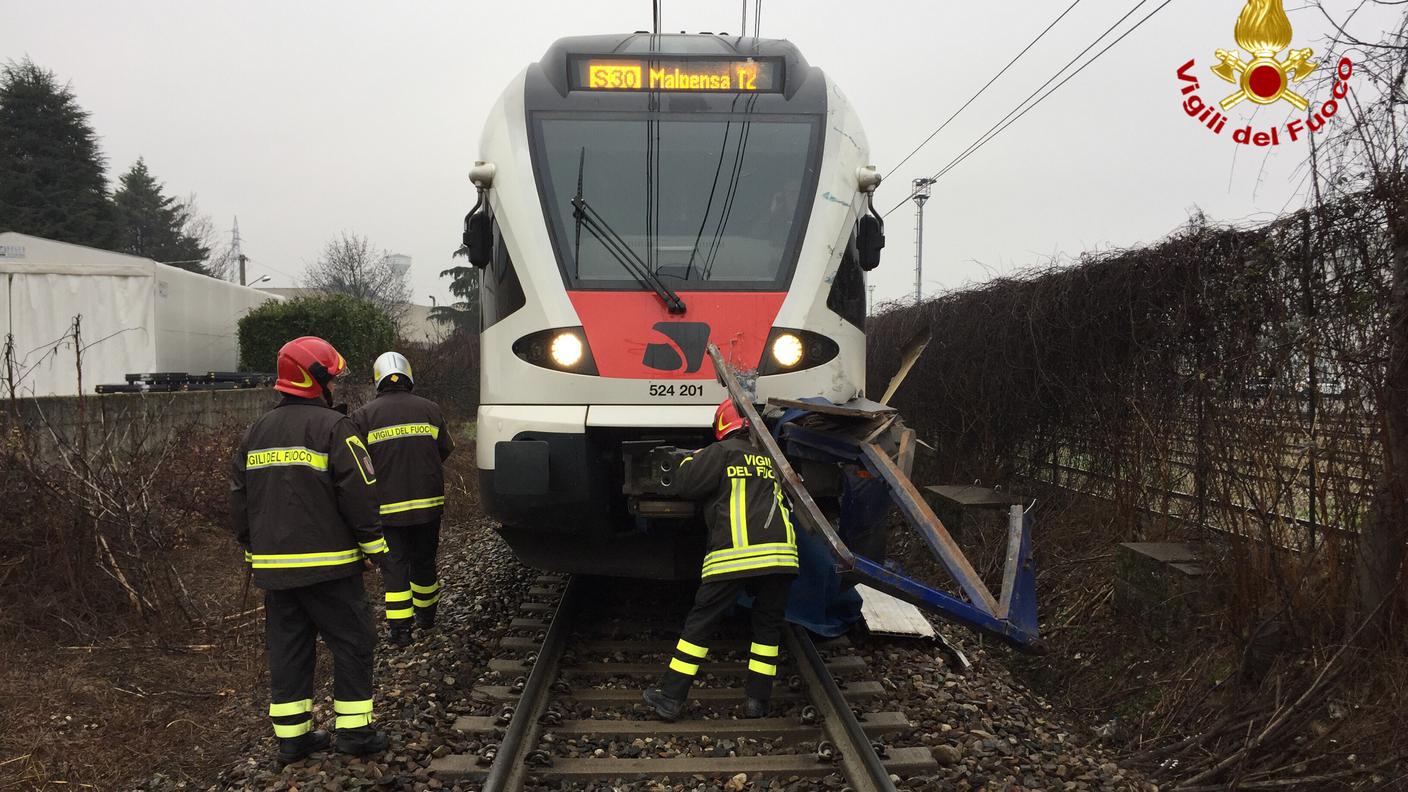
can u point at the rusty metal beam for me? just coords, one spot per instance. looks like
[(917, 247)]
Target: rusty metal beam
[(931, 528)]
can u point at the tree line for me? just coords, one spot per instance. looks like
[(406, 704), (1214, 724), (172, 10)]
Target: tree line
[(53, 181)]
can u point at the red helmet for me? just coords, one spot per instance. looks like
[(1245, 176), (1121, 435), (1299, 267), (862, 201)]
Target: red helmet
[(727, 420), (306, 366)]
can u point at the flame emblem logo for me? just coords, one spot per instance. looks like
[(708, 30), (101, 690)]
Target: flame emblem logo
[(1264, 30)]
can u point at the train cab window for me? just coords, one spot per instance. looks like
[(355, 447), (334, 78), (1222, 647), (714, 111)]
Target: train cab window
[(500, 293), (847, 295), (715, 203)]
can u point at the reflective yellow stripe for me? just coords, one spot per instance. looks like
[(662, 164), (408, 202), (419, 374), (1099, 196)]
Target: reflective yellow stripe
[(431, 589), (735, 553), (297, 560), (789, 558), (763, 650), (693, 650), (363, 707), (282, 457), (759, 667), (248, 557), (786, 518), (411, 505), (353, 721), (738, 512), (290, 708), (400, 613), (402, 430), (766, 562), (681, 666), (689, 458), (425, 603), (363, 458), (285, 731), (397, 596), (373, 547)]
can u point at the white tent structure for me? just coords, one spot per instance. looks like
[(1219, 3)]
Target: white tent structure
[(133, 315)]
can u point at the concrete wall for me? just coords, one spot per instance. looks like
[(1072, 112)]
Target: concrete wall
[(126, 419)]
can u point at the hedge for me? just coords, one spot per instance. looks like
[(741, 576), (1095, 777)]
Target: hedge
[(358, 329)]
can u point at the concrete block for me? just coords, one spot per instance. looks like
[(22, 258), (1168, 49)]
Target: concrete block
[(1159, 584)]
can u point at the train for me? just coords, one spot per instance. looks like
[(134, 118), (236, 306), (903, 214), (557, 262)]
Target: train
[(640, 196)]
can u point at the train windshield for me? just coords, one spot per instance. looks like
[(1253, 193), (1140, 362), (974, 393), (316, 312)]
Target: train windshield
[(702, 204)]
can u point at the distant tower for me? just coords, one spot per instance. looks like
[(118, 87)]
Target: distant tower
[(235, 249), (400, 264), (920, 195)]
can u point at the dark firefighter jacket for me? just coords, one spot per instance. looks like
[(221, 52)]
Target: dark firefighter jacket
[(408, 441), (750, 525), (303, 496)]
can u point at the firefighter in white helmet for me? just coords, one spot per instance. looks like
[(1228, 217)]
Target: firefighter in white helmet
[(409, 442)]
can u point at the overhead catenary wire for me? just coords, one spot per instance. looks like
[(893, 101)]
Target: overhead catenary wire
[(986, 85), (1023, 108)]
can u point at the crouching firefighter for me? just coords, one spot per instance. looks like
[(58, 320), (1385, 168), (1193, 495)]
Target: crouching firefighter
[(303, 499), (752, 548), (409, 443)]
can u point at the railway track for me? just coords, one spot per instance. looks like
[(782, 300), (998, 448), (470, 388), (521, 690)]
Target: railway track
[(570, 714)]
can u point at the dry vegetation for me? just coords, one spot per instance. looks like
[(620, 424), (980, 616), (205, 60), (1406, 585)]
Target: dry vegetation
[(1244, 389)]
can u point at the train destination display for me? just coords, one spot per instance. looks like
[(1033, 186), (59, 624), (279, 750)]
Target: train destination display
[(683, 74)]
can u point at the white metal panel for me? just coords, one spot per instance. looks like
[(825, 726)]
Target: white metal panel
[(886, 615), (114, 330), (197, 321)]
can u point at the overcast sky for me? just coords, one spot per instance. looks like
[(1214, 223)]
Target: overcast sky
[(306, 119)]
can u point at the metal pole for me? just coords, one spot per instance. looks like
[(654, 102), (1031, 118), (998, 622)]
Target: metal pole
[(920, 194)]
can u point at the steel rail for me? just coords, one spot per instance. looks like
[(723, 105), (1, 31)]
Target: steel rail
[(862, 766), (509, 769)]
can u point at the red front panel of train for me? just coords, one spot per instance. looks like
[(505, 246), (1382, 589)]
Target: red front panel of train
[(632, 336)]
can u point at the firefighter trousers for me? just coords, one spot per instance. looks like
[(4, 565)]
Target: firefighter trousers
[(412, 586), (337, 610), (711, 604)]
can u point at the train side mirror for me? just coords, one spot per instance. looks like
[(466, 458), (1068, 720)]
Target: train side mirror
[(479, 238), (870, 240)]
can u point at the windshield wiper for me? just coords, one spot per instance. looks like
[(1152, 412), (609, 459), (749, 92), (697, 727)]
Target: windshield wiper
[(587, 217)]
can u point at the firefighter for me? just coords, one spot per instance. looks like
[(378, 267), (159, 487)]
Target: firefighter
[(409, 443), (304, 505), (752, 548)]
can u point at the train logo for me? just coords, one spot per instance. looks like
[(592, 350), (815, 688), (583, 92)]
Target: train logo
[(684, 350), (1264, 30)]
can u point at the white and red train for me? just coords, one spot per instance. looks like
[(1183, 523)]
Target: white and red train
[(639, 197)]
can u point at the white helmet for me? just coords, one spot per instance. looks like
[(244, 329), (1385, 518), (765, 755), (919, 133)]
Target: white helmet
[(394, 365)]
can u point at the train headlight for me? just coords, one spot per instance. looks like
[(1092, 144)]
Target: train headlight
[(787, 350), (559, 348), (566, 349), (790, 349)]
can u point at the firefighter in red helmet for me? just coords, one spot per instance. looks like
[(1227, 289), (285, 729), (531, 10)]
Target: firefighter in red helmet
[(752, 548), (304, 504)]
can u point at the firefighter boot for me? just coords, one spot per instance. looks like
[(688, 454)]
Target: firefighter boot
[(425, 617), (292, 749), (667, 708), (400, 637), (754, 707), (362, 741)]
